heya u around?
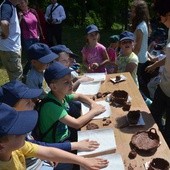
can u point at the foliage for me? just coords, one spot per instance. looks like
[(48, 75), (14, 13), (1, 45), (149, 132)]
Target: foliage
[(92, 18)]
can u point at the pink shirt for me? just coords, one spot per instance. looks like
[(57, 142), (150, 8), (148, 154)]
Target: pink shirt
[(94, 55), (29, 26), (112, 54)]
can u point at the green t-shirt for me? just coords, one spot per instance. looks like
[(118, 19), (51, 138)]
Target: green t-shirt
[(122, 62), (50, 113)]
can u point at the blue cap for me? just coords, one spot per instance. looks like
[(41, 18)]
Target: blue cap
[(15, 90), (62, 48), (14, 122), (41, 52), (91, 28), (114, 38), (126, 35), (56, 71)]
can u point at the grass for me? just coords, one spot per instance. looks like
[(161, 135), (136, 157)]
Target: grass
[(74, 38)]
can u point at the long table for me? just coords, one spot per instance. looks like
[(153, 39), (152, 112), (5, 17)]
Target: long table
[(123, 135)]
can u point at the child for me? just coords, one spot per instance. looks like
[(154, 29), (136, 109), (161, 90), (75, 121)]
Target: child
[(58, 78), (18, 95), (65, 57), (127, 61), (14, 149), (40, 56), (94, 54), (112, 51)]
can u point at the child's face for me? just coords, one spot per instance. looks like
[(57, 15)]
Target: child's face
[(40, 67), (63, 86), (93, 37), (25, 104), (12, 143), (114, 45), (64, 59), (166, 20), (126, 46)]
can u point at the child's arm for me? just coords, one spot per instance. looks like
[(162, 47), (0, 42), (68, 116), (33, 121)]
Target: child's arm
[(96, 109), (80, 80), (152, 67), (130, 67), (105, 58), (57, 155), (83, 145)]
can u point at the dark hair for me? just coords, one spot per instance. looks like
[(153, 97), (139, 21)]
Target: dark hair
[(140, 8), (162, 7)]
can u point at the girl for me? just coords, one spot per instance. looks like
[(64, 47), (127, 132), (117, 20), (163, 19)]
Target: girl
[(94, 54)]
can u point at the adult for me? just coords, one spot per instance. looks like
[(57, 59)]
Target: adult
[(161, 102), (54, 17), (30, 29), (10, 38), (140, 27)]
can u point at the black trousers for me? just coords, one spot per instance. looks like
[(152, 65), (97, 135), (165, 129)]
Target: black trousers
[(159, 107), (54, 31)]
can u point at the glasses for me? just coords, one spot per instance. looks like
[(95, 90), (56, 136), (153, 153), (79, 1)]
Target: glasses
[(126, 42)]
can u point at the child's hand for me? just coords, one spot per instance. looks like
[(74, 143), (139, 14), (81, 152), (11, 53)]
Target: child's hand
[(85, 79), (94, 163), (94, 66), (97, 109), (86, 145)]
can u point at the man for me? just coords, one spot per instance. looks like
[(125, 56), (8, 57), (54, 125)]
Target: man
[(10, 34), (54, 16)]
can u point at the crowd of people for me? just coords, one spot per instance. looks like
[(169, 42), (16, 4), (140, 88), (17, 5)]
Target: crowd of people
[(39, 112)]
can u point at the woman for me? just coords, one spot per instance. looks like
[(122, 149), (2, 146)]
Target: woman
[(30, 27), (140, 27)]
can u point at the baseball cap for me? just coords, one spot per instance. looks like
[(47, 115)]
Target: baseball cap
[(62, 48), (126, 35), (15, 90), (91, 28), (114, 38), (41, 52), (56, 71), (16, 122)]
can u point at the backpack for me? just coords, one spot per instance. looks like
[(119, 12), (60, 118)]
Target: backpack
[(36, 133)]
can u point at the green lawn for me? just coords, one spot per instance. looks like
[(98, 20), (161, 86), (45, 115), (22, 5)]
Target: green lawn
[(74, 38)]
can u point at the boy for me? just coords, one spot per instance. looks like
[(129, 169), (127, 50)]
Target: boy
[(58, 78), (40, 56), (127, 61), (14, 149), (18, 95), (66, 56)]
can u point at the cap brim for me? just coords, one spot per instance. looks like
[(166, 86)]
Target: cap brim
[(24, 123), (72, 55), (127, 38), (93, 30), (32, 93), (48, 58)]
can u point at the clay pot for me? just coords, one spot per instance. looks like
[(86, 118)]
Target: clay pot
[(159, 164)]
